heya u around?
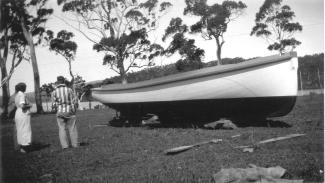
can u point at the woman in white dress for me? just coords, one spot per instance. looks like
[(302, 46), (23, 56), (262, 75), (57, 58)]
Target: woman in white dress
[(22, 118)]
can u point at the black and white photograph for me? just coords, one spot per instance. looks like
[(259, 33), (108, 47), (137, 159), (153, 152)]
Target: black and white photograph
[(162, 91)]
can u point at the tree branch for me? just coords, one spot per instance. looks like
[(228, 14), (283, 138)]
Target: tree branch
[(87, 37), (112, 67), (7, 78)]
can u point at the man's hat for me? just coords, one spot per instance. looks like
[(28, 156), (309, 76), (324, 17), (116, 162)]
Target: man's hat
[(60, 79)]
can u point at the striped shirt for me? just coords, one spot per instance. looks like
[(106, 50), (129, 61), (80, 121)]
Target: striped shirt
[(63, 98)]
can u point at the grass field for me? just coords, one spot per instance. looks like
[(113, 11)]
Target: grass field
[(135, 154)]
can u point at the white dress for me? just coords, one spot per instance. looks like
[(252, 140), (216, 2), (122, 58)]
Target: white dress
[(22, 121)]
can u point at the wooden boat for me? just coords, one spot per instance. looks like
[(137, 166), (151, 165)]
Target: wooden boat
[(261, 87)]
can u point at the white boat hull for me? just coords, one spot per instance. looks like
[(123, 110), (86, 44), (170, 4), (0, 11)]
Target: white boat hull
[(275, 79)]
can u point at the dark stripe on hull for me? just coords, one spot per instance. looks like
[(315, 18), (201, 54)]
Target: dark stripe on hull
[(211, 109)]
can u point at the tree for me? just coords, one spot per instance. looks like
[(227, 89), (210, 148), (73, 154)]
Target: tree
[(4, 47), (12, 44), (47, 89), (311, 71), (214, 19), (79, 85), (191, 56), (274, 23), (87, 94), (32, 15), (83, 90), (119, 29), (63, 45)]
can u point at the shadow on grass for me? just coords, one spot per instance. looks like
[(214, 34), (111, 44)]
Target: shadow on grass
[(194, 123), (262, 123), (84, 144), (155, 124), (37, 146)]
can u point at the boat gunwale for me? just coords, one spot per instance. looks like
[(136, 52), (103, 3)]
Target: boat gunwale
[(198, 73)]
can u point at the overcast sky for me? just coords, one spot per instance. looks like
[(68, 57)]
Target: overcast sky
[(238, 43)]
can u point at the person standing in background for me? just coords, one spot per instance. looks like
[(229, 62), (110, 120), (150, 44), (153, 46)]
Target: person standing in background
[(22, 119), (65, 100)]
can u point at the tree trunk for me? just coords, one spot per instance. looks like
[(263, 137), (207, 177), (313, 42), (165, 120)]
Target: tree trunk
[(89, 104), (300, 79), (4, 74), (122, 72), (72, 78), (219, 46), (219, 55), (123, 78), (319, 79), (5, 91), (47, 106), (29, 39)]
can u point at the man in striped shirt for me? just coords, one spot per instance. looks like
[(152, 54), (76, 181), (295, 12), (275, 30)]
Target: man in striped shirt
[(64, 99)]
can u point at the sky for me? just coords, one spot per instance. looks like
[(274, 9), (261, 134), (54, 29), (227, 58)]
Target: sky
[(238, 42)]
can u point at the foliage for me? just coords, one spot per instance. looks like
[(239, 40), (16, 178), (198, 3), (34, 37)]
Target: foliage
[(311, 62), (311, 71), (12, 41), (214, 19), (22, 22), (34, 15), (153, 72), (48, 88), (225, 61), (144, 74), (165, 70), (275, 24), (191, 56), (63, 45), (81, 88), (109, 81), (121, 30), (79, 85), (175, 26)]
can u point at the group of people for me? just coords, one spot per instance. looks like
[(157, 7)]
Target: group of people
[(65, 101)]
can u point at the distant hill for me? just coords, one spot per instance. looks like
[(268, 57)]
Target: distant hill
[(94, 83)]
